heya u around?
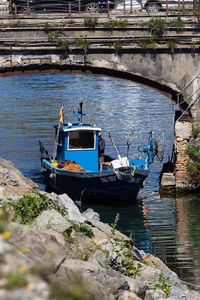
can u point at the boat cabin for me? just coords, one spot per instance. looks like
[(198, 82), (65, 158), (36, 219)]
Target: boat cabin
[(79, 143)]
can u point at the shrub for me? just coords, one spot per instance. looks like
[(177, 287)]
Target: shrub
[(171, 44), (15, 280), (83, 228), (109, 25), (149, 43), (47, 27), (194, 153), (62, 45), (195, 131), (193, 166), (157, 26), (83, 43), (163, 284), (177, 23), (118, 45), (122, 24), (32, 204), (90, 22)]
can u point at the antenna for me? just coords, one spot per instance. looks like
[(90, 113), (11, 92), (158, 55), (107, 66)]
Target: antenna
[(80, 113)]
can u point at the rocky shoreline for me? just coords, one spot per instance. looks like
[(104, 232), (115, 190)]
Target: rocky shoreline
[(59, 253)]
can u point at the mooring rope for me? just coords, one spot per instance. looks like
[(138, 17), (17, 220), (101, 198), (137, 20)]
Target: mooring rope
[(192, 103)]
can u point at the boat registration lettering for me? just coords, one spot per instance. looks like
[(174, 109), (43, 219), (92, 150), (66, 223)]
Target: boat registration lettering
[(108, 179), (135, 179)]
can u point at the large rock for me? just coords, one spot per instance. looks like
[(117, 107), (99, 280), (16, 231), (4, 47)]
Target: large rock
[(107, 282), (51, 219), (18, 281), (12, 181), (45, 247), (73, 213), (90, 214)]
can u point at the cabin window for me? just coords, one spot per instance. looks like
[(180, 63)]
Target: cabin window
[(81, 139)]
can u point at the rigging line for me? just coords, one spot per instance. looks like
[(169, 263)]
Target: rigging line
[(188, 108), (197, 76), (189, 96)]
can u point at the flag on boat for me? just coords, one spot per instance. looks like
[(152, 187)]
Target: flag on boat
[(61, 115)]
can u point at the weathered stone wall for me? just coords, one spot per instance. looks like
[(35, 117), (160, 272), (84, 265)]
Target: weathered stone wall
[(183, 133), (163, 70)]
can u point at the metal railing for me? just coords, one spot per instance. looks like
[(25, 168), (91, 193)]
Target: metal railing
[(151, 7), (69, 7)]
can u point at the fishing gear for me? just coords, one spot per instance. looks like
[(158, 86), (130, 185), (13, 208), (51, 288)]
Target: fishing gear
[(118, 154)]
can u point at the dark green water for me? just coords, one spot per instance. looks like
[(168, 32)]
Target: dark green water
[(30, 106)]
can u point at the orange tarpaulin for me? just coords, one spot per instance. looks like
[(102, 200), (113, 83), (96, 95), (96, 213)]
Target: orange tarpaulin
[(70, 165)]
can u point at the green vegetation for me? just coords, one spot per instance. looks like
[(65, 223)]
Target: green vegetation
[(15, 280), (83, 228), (171, 44), (129, 262), (62, 45), (83, 43), (157, 26), (197, 12), (121, 24), (16, 43), (129, 265), (163, 284), (47, 27), (177, 23), (193, 166), (111, 24), (57, 38), (86, 251), (118, 45), (32, 204), (193, 151), (90, 22), (195, 131), (150, 43), (67, 236), (3, 219), (53, 36), (114, 224)]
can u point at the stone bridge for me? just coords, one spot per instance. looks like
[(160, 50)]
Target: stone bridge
[(174, 71)]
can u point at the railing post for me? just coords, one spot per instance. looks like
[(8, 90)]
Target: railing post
[(79, 5), (131, 4), (108, 9), (28, 7), (124, 7), (70, 9), (167, 9)]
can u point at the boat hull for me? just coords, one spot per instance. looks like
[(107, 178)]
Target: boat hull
[(103, 186)]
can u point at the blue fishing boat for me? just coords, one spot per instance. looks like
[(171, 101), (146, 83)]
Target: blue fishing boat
[(80, 168)]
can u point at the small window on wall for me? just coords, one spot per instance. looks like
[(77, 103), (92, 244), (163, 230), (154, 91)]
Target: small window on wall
[(81, 139)]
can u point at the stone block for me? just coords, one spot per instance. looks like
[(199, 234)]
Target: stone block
[(183, 130), (168, 179)]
